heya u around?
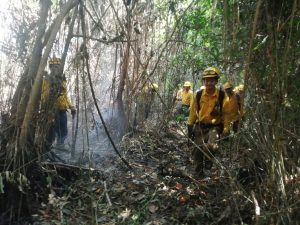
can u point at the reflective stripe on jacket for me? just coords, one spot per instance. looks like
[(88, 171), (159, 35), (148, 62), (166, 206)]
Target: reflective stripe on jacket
[(230, 111)]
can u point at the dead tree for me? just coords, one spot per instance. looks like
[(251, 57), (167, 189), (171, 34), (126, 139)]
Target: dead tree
[(19, 151)]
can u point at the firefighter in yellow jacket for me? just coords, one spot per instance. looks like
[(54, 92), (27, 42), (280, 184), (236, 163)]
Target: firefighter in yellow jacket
[(205, 120), (54, 95), (144, 101), (231, 109), (241, 92), (184, 99)]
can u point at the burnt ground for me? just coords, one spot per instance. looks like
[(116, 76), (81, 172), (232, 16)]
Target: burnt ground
[(161, 187)]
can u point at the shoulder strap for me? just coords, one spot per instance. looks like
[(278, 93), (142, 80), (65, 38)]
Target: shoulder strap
[(221, 98), (198, 97)]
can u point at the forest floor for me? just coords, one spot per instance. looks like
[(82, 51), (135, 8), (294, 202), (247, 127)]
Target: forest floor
[(161, 187)]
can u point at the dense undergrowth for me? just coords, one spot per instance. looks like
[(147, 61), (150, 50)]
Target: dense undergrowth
[(162, 187)]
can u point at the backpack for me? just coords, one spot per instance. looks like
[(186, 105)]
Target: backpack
[(220, 99)]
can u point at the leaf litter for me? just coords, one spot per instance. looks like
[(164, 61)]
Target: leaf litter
[(161, 188)]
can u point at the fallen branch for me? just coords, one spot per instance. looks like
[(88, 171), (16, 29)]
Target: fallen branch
[(106, 193)]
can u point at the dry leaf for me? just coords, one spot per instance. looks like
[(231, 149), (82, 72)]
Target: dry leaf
[(99, 190), (203, 193), (153, 208), (131, 186), (125, 214), (178, 186), (140, 197), (183, 199)]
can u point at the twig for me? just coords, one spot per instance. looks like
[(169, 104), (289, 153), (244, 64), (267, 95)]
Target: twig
[(117, 39), (247, 64), (106, 193), (256, 209), (55, 156), (182, 174), (59, 164)]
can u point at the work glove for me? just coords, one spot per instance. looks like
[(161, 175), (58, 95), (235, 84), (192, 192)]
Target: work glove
[(73, 111)]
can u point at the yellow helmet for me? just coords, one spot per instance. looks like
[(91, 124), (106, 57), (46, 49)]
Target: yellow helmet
[(241, 87), (227, 85), (211, 72), (54, 61), (187, 84)]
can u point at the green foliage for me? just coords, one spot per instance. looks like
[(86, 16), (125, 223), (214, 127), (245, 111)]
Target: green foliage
[(201, 37), (180, 118), (49, 181), (261, 44)]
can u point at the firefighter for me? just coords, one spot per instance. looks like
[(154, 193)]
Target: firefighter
[(205, 120), (240, 91), (54, 94), (144, 102), (184, 98), (149, 91), (231, 109), (177, 96)]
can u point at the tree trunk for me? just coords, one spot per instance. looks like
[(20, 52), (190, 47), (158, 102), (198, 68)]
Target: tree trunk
[(35, 92), (124, 75), (21, 95)]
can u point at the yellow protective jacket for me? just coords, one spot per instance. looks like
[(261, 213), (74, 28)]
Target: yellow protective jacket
[(240, 91), (187, 97), (230, 111), (62, 101), (207, 104)]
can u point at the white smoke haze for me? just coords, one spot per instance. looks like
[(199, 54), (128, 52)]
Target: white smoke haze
[(92, 142), (106, 44)]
